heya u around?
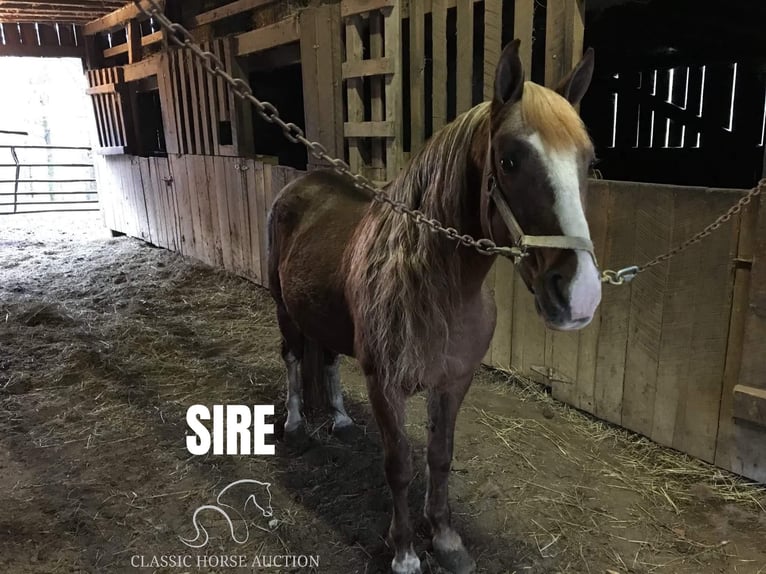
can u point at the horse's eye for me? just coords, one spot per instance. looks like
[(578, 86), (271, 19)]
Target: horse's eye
[(507, 164)]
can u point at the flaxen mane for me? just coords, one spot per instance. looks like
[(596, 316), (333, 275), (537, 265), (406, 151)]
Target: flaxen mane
[(403, 279), (552, 117)]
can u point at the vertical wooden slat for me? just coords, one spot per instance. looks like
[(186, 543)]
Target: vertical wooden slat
[(168, 104), (493, 32), (355, 90), (257, 218), (702, 358), (622, 203), (238, 232), (212, 218), (377, 171), (133, 31), (150, 197), (597, 212), (393, 47), (439, 63), (564, 32), (464, 98), (241, 112), (205, 109), (195, 103), (212, 109), (504, 277), (417, 76), (184, 206), (186, 101), (523, 29), (654, 224)]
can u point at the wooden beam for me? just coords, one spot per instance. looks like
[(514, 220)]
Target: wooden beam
[(464, 96), (352, 7), (42, 51), (225, 11), (143, 69), (750, 404), (564, 32), (364, 68), (368, 129), (118, 18), (102, 89), (284, 32), (134, 41), (125, 48)]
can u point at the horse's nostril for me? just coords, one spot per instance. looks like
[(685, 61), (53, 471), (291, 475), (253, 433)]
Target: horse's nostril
[(556, 287)]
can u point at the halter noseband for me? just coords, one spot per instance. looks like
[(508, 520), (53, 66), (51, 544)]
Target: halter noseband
[(521, 240)]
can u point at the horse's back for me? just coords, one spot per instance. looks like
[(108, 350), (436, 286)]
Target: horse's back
[(312, 221)]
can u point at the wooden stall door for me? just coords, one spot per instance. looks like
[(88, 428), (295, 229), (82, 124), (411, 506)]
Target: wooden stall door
[(742, 432)]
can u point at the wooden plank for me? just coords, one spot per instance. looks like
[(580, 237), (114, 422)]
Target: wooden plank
[(439, 63), (237, 205), (179, 105), (528, 334), (124, 48), (168, 107), (108, 108), (750, 404), (354, 91), (368, 129), (464, 96), (194, 103), (185, 97), (183, 202), (393, 48), (354, 7), (523, 29), (123, 114), (194, 192), (309, 49), (597, 213), (204, 108), (222, 166), (266, 37), (417, 75), (118, 18), (256, 209), (140, 199), (692, 344), (493, 34), (654, 226), (226, 11), (622, 204), (740, 446), (377, 147), (363, 68), (211, 190), (143, 69), (564, 32), (134, 42), (150, 198), (240, 110)]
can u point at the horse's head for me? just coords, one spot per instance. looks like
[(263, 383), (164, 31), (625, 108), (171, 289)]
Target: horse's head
[(539, 157)]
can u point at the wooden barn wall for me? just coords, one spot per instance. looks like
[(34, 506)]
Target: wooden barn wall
[(212, 208), (657, 356)]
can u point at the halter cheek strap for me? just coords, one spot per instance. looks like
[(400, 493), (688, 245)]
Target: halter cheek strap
[(519, 238)]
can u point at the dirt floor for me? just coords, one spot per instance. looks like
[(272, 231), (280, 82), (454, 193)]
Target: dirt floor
[(105, 343)]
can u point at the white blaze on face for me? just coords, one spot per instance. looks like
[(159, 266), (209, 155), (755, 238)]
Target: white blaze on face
[(584, 292)]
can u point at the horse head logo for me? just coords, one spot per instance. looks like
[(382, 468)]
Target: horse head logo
[(257, 493)]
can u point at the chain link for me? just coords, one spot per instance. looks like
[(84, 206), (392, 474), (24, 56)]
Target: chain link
[(180, 36)]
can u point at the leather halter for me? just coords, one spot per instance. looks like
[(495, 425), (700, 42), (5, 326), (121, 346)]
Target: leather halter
[(521, 239)]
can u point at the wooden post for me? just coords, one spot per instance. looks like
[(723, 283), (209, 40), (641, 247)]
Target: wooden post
[(133, 32), (321, 68), (564, 32), (242, 111), (393, 47), (417, 76), (464, 55)]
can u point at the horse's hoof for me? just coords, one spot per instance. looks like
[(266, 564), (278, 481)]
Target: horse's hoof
[(347, 434), (407, 564), (456, 561)]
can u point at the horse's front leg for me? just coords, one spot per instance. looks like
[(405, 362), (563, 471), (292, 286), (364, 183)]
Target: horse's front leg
[(443, 405), (389, 409)]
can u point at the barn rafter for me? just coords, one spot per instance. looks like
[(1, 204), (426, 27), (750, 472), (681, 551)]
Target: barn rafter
[(60, 11)]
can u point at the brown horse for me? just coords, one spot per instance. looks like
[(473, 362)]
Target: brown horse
[(354, 277)]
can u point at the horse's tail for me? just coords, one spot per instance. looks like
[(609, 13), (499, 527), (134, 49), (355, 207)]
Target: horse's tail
[(314, 377)]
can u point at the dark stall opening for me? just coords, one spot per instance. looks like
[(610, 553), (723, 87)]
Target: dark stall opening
[(283, 86)]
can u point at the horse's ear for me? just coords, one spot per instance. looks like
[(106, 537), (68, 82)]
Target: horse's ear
[(509, 76), (574, 86)]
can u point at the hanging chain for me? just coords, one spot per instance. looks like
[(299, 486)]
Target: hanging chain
[(181, 37), (628, 273)]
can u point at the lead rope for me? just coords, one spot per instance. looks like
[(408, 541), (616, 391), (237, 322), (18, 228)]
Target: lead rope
[(295, 134)]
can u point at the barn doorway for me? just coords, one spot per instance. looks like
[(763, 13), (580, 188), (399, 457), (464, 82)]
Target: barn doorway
[(46, 164)]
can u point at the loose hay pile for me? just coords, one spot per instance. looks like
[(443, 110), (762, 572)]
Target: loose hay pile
[(104, 344)]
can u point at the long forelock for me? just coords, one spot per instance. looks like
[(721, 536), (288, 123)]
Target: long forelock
[(550, 115)]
